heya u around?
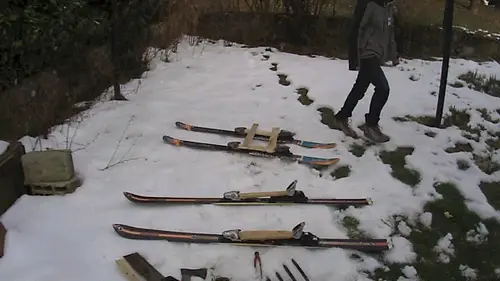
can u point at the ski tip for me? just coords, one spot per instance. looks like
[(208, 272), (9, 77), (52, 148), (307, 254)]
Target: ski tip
[(171, 140), (128, 195), (118, 227), (320, 161), (184, 126), (311, 144)]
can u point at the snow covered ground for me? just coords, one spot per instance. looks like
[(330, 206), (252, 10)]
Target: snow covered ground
[(71, 237)]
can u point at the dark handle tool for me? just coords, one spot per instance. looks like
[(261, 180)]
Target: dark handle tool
[(186, 273), (300, 270), (289, 273)]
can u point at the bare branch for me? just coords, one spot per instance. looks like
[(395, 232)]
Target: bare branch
[(84, 146), (122, 159)]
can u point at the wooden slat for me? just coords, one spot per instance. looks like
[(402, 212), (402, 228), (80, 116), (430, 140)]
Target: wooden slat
[(127, 270), (273, 140), (265, 234), (250, 135)]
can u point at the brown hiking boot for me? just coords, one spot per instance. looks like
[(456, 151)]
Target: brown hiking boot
[(374, 133), (342, 124)]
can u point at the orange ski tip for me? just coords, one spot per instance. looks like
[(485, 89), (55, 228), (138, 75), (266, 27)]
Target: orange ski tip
[(326, 162), (184, 126), (325, 146)]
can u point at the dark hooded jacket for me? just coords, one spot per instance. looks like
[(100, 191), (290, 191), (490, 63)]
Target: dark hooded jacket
[(373, 32)]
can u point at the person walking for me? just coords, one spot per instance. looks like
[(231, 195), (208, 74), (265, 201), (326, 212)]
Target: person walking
[(371, 44)]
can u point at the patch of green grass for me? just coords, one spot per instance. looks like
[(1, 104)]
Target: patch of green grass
[(487, 116), (396, 159), (341, 172), (486, 164), (457, 84), (423, 120), (489, 85), (463, 164), (450, 215), (461, 119), (492, 192), (455, 117), (351, 224), (327, 117), (357, 149), (430, 134), (493, 143), (460, 147), (283, 80), (303, 98)]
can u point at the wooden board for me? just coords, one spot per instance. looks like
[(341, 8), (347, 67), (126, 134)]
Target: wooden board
[(143, 267)]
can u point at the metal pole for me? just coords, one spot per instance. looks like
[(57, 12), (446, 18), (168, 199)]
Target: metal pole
[(447, 37)]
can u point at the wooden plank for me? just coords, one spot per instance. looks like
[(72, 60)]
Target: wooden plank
[(143, 267), (246, 235), (127, 270), (248, 195), (273, 140), (250, 135)]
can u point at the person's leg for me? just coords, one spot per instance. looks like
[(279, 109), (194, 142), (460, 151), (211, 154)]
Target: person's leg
[(380, 96), (378, 101), (357, 92)]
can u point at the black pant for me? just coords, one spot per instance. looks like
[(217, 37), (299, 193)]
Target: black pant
[(370, 71)]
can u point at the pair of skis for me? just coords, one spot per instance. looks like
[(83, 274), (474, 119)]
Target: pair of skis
[(276, 139), (296, 237)]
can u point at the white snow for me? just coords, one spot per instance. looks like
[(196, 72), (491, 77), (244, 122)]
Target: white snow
[(426, 219), (467, 272), (409, 271), (445, 248), (401, 252), (71, 238), (478, 235), (3, 146), (404, 229)]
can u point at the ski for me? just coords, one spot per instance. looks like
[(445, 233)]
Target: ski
[(258, 238), (284, 137), (236, 198), (282, 152)]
